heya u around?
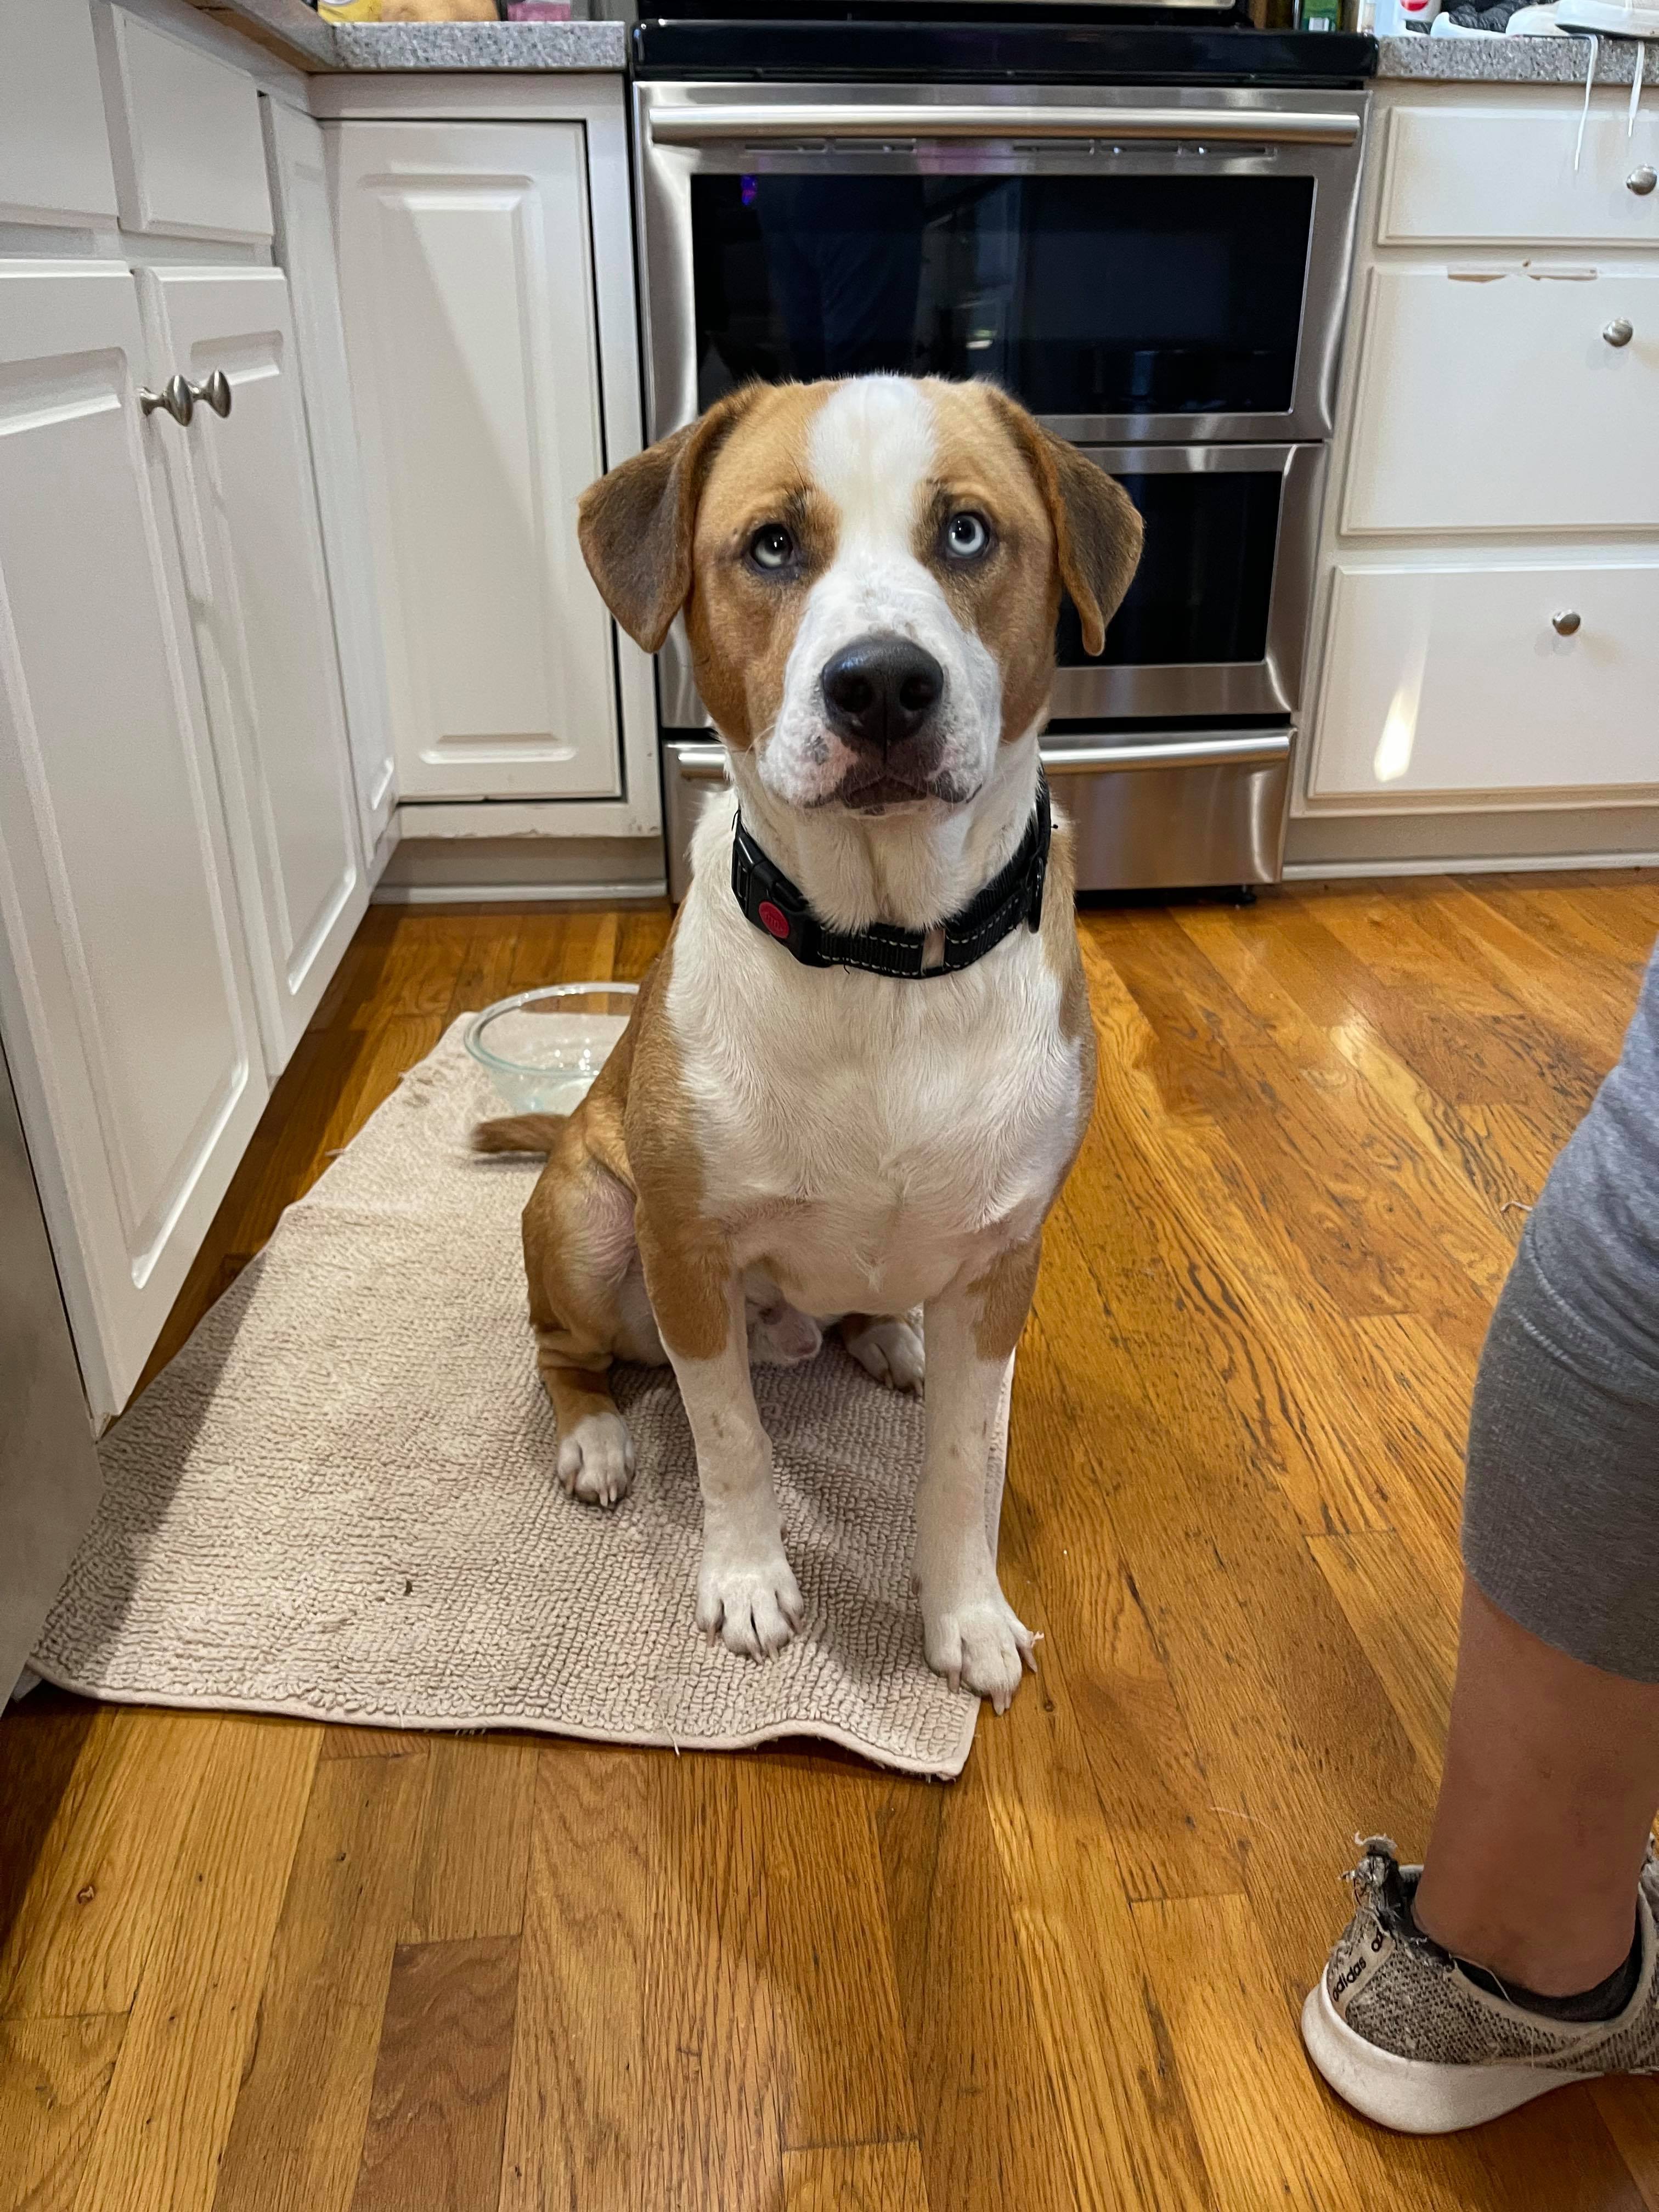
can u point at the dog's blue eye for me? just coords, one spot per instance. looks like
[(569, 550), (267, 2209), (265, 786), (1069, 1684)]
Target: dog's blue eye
[(966, 537), (772, 547)]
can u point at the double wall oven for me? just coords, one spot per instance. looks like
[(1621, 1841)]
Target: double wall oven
[(1157, 271)]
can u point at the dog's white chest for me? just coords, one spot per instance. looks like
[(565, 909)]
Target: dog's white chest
[(866, 1139)]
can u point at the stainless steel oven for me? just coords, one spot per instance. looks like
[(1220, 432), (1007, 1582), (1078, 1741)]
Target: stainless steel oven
[(1159, 271)]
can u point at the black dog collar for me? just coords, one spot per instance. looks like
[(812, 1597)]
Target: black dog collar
[(1014, 895)]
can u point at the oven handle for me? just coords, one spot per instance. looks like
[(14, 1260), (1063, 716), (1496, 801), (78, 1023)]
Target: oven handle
[(699, 764), (1252, 749), (1247, 749), (704, 125)]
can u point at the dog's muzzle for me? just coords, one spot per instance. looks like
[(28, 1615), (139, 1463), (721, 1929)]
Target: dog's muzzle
[(881, 697)]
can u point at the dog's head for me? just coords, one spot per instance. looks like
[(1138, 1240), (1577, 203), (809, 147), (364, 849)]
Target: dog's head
[(870, 572)]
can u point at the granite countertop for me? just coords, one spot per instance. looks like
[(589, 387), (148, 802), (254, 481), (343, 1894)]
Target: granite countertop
[(1503, 61), (330, 46), (481, 45)]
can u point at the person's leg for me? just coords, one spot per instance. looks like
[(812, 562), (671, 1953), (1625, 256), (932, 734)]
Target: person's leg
[(1526, 1951), (1551, 1780)]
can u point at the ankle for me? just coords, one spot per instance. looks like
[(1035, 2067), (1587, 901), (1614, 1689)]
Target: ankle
[(1538, 1954)]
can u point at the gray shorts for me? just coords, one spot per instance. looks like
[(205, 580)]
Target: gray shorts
[(1561, 1510)]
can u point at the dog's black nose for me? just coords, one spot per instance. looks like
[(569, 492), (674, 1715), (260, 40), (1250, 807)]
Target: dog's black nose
[(880, 689)]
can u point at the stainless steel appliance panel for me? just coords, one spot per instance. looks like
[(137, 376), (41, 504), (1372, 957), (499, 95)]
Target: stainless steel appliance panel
[(50, 1483), (1158, 812)]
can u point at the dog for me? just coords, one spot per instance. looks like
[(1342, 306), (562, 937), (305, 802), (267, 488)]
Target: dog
[(851, 1087)]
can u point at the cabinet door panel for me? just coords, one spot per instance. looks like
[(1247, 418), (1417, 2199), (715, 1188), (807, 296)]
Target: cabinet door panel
[(264, 634), (124, 987), (305, 249), (1449, 681), (464, 266), (1492, 401)]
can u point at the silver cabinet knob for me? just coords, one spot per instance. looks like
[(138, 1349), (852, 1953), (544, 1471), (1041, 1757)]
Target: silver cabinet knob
[(214, 393), (1566, 622), (176, 397), (1641, 181), (1618, 332)]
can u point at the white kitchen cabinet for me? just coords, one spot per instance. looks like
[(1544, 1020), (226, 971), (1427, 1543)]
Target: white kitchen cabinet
[(54, 150), (1461, 681), (125, 987), (469, 294), (1497, 400), (264, 628), (305, 250)]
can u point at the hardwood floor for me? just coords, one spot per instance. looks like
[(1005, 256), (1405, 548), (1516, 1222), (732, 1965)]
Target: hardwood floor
[(250, 1964)]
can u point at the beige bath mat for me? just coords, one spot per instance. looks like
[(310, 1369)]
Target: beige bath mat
[(339, 1500)]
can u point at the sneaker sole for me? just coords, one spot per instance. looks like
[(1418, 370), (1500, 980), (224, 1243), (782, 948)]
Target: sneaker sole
[(1416, 2096)]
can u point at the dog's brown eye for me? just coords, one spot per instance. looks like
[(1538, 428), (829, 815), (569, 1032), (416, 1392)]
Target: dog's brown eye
[(967, 535), (771, 547)]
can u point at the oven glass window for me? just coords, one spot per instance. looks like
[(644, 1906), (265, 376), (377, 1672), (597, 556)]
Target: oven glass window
[(1202, 591), (1083, 296)]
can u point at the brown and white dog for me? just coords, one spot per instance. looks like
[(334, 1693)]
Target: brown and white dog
[(870, 573)]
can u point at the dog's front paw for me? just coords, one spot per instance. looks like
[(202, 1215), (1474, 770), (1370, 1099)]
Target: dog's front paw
[(596, 1460), (979, 1644), (891, 1351), (752, 1604)]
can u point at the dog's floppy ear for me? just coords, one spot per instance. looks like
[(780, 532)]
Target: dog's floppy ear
[(635, 524), (1097, 529)]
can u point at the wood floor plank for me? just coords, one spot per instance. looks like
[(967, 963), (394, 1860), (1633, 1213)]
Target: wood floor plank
[(54, 2076), (1104, 1669), (576, 2116), (212, 1916), (474, 1839), (417, 956), (437, 2114), (1259, 2113), (1630, 2112), (296, 2134), (987, 2105), (87, 1917), (868, 2178), (342, 1742), (1407, 1622), (712, 2137), (1123, 2116)]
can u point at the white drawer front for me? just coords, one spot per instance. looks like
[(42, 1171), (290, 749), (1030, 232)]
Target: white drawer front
[(1499, 175), (1455, 680), (54, 148), (190, 157), (1499, 405)]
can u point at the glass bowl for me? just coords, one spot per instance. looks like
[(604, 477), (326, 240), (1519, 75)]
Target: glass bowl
[(542, 1049)]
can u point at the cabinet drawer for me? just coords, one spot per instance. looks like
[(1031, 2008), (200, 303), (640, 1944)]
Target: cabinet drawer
[(54, 146), (189, 153), (1501, 176), (1497, 403), (1455, 680)]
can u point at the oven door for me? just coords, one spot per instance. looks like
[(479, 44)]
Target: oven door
[(1216, 620), (1145, 263)]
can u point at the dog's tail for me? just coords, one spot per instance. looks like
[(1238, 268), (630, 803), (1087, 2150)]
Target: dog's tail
[(519, 1132)]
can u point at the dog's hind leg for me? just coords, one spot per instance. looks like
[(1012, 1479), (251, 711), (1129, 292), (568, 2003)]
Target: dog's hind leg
[(587, 1307), (888, 1347)]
